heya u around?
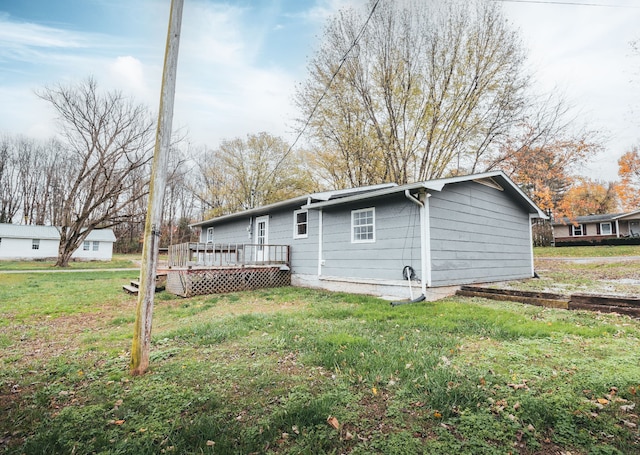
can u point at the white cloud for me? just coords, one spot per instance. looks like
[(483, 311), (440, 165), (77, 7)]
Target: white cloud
[(324, 9), (583, 52), (128, 73), (25, 34)]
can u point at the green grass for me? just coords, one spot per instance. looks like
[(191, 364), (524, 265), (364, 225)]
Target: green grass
[(587, 251), (119, 261), (260, 372)]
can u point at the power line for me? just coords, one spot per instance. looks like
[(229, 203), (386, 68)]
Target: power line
[(550, 2), (333, 76)]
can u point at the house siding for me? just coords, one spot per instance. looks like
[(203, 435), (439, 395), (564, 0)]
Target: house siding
[(397, 241), (478, 234), (17, 240), (304, 251), (15, 248)]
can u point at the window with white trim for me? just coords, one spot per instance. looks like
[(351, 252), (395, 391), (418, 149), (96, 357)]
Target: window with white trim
[(300, 224), (578, 229), (86, 245), (35, 244), (605, 229), (209, 234), (363, 225), (96, 246)]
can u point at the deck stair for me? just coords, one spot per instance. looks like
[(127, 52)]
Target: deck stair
[(134, 286)]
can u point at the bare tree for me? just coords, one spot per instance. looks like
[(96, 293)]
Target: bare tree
[(109, 142), (10, 194), (242, 174), (426, 84)]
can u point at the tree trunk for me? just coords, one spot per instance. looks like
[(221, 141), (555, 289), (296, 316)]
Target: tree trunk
[(64, 256)]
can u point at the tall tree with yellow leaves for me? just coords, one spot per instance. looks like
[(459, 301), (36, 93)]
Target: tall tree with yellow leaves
[(589, 197), (629, 173)]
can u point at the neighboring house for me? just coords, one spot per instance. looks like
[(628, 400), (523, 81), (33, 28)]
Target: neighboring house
[(594, 229), (444, 233), (41, 242)]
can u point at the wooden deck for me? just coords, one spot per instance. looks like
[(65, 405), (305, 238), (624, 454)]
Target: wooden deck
[(213, 268), (191, 255)]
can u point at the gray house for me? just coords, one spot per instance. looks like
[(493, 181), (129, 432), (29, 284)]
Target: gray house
[(395, 241)]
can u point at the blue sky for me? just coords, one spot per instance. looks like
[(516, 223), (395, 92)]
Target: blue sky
[(240, 61)]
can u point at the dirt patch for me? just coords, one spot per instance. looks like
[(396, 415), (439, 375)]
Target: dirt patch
[(53, 336)]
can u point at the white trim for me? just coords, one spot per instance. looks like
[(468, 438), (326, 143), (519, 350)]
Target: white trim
[(533, 266), (295, 224), (437, 185), (602, 228), (320, 253), (373, 225), (210, 234), (265, 238), (425, 234), (262, 219)]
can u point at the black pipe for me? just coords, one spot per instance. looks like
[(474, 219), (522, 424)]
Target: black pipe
[(416, 300)]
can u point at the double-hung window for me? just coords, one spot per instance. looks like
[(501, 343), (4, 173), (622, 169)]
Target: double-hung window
[(363, 224), (209, 235), (86, 245), (605, 229), (35, 244), (577, 229), (300, 224), (96, 245)]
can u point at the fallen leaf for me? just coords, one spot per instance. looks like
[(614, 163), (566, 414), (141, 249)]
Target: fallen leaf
[(602, 401), (374, 391), (118, 422), (333, 422), (211, 443), (518, 386)]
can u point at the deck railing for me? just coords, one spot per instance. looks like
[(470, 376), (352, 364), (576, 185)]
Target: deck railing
[(195, 254)]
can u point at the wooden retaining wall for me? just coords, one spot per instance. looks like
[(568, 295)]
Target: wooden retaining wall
[(593, 302)]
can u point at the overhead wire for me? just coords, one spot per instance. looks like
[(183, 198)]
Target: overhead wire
[(328, 86)]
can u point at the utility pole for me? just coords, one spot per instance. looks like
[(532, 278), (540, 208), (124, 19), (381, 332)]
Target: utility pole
[(144, 310)]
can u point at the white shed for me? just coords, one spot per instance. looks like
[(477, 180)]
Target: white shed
[(41, 242)]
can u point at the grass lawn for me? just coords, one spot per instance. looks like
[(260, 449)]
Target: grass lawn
[(296, 371), (588, 251), (118, 261)]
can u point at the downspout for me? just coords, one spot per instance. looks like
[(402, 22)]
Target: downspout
[(320, 260), (533, 269), (425, 223), (425, 240)]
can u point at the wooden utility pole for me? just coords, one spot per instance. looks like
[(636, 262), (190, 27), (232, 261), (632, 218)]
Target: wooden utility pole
[(144, 310)]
